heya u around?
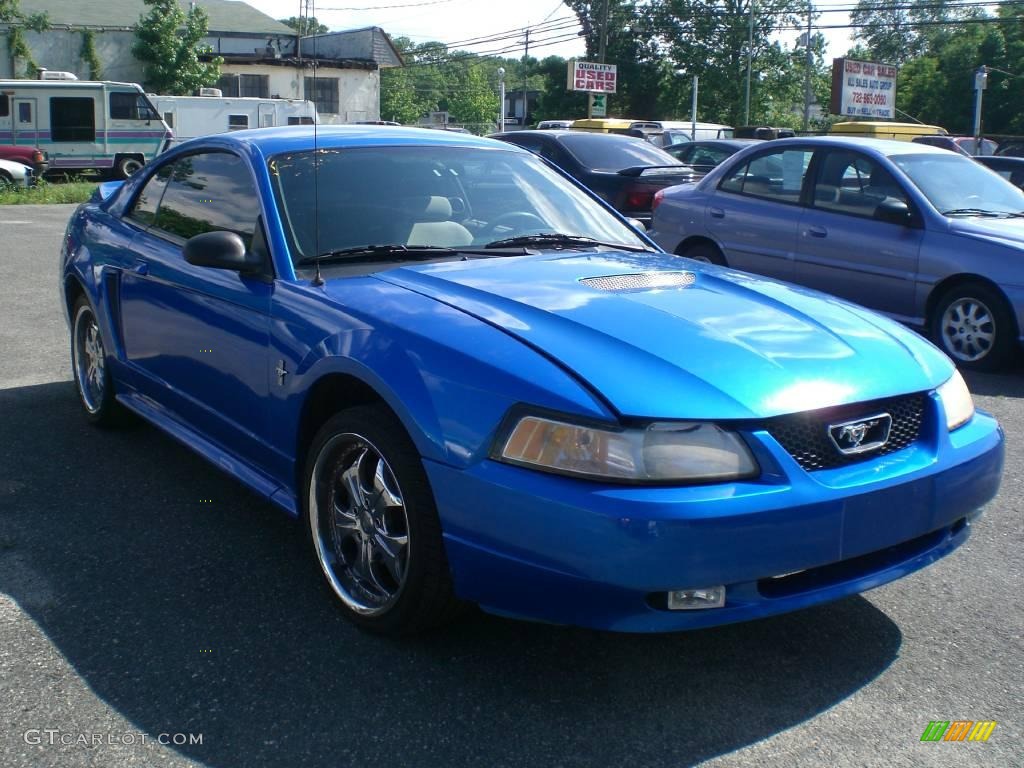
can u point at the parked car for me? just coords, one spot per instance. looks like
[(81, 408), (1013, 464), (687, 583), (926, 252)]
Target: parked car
[(1010, 168), (473, 382), (623, 171), (685, 130), (1011, 148), (33, 157), (926, 236), (762, 132), (885, 129), (702, 156), (549, 125), (963, 145), (15, 174)]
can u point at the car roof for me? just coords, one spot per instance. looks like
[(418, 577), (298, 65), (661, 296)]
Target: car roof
[(885, 147), (272, 141)]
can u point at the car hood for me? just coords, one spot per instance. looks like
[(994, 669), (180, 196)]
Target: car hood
[(1006, 231), (719, 344)]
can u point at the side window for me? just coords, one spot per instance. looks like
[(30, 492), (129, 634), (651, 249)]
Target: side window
[(169, 119), (5, 105), (851, 183), (300, 121), (72, 119), (144, 210), (24, 112), (238, 122), (777, 176), (130, 105), (209, 192)]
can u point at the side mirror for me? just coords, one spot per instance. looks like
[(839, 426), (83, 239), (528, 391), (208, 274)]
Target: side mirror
[(637, 225), (221, 250), (893, 212)]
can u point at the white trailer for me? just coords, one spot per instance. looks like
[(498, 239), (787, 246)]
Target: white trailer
[(82, 124), (192, 116)]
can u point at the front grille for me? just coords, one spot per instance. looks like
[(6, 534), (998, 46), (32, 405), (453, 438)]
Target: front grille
[(805, 435)]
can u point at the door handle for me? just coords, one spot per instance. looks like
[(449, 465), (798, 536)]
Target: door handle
[(717, 213), (141, 268), (817, 232)]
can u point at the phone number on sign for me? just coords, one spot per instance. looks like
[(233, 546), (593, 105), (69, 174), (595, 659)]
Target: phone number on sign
[(870, 98)]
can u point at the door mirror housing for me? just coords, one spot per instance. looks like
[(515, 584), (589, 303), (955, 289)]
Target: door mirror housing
[(221, 250), (637, 225), (894, 212)]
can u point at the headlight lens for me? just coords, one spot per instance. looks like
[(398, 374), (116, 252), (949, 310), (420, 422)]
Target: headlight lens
[(957, 401), (659, 453)]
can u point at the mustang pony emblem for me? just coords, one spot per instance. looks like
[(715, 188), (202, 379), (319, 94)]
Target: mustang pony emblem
[(861, 435)]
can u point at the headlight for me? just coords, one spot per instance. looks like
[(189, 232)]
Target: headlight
[(956, 400), (659, 453)]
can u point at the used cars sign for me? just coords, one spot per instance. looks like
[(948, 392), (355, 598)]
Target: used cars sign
[(589, 76), (863, 89)]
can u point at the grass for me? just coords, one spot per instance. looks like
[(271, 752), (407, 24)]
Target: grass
[(74, 190)]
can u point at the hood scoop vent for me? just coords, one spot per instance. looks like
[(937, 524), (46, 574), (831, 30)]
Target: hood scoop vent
[(640, 281)]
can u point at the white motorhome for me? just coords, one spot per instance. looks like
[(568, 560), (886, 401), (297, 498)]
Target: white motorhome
[(83, 124), (191, 116)]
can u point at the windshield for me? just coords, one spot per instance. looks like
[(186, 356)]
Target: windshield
[(603, 152), (955, 183), (440, 196)]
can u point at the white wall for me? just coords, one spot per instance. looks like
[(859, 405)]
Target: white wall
[(359, 89)]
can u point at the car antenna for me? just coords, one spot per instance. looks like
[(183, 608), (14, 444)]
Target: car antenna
[(318, 279)]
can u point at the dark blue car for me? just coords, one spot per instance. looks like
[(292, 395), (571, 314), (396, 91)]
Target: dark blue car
[(474, 382)]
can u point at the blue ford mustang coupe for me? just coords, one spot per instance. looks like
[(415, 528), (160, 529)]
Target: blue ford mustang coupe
[(474, 382)]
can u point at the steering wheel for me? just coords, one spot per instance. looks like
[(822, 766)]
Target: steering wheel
[(517, 220)]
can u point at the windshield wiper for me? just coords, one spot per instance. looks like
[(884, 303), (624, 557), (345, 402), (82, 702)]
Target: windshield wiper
[(558, 239), (978, 212), (409, 251)]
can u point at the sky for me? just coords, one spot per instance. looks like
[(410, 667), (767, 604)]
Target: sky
[(453, 21)]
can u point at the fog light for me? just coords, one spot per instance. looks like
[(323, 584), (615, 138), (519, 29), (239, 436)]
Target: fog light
[(693, 599)]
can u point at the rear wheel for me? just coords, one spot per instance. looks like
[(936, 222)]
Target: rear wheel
[(373, 526), (705, 252), (6, 180), (973, 324)]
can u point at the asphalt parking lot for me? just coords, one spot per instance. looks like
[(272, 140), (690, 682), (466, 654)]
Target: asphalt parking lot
[(144, 595)]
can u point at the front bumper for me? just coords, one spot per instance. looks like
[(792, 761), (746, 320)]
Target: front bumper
[(543, 547)]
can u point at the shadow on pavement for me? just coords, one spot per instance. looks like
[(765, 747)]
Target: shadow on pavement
[(208, 617), (1006, 384)]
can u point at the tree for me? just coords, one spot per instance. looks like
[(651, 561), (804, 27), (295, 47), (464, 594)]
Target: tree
[(305, 26), (167, 43), (556, 101)]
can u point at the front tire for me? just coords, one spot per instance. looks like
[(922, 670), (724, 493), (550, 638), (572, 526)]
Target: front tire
[(126, 166), (704, 252), (373, 526), (973, 324), (89, 366)]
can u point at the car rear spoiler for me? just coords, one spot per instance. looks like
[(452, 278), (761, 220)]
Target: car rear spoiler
[(656, 170), (103, 192)]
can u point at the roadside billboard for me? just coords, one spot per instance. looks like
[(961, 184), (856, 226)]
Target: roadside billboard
[(589, 76), (863, 89)]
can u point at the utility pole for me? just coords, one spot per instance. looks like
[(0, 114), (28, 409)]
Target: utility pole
[(693, 111), (526, 74), (750, 54), (603, 44), (807, 73)]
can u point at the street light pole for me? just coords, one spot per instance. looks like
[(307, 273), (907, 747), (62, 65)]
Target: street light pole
[(750, 54), (980, 84), (501, 99)]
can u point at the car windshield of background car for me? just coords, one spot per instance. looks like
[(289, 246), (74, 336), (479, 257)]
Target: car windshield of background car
[(437, 196), (953, 183)]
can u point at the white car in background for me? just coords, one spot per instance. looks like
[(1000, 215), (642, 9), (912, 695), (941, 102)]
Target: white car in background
[(15, 174)]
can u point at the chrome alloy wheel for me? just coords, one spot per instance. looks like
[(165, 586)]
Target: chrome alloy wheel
[(968, 330), (359, 524), (89, 359)]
